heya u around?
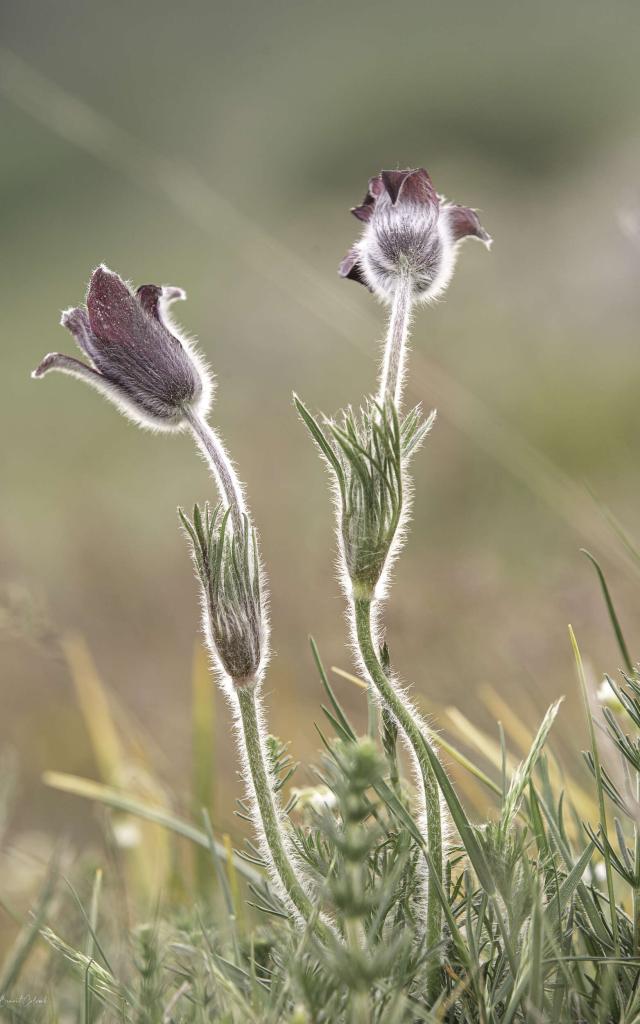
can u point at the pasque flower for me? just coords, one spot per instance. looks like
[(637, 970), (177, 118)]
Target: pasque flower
[(410, 232), (135, 354), (405, 255), (136, 358)]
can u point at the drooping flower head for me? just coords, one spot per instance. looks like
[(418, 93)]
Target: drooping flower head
[(411, 231), (136, 357)]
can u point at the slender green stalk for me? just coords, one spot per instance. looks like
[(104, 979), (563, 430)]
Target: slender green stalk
[(270, 815), (410, 724), (390, 391), (221, 467), (392, 372)]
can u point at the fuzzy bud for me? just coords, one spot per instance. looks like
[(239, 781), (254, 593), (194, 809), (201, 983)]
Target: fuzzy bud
[(411, 231), (135, 355), (228, 567), (368, 454)]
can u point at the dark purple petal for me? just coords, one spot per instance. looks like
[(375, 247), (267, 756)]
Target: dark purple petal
[(58, 361), (350, 267), (374, 190), (152, 296), (419, 187), (114, 313), (413, 185), (149, 296), (365, 210), (393, 182), (465, 223), (77, 322)]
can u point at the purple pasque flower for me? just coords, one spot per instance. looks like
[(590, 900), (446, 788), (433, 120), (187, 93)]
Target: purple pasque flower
[(135, 354), (409, 231)]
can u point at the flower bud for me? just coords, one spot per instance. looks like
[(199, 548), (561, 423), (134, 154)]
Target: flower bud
[(228, 567), (135, 355), (409, 231), (368, 454)]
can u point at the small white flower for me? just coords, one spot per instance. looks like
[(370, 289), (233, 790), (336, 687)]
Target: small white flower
[(607, 696), (126, 833), (318, 798), (600, 871)]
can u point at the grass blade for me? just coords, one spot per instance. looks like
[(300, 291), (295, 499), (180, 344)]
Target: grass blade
[(615, 622), (90, 790)]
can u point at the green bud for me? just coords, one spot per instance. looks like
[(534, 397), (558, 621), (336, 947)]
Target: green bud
[(368, 453), (228, 567)]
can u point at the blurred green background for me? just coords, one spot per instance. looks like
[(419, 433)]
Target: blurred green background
[(219, 147)]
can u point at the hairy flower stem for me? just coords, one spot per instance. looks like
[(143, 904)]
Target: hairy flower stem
[(409, 722), (266, 801), (269, 820), (221, 467), (392, 374), (390, 391)]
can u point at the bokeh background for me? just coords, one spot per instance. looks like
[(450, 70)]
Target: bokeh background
[(219, 147)]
